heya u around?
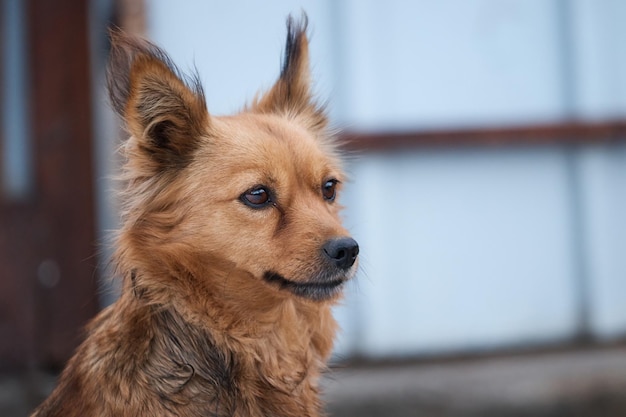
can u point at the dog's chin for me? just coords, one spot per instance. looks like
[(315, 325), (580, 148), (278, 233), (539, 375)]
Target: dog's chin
[(321, 288)]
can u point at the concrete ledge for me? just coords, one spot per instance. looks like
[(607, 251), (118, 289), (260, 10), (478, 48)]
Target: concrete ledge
[(573, 384)]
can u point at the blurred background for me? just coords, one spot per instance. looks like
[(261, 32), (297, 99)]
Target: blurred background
[(485, 143)]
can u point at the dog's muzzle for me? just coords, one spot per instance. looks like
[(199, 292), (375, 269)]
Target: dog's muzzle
[(339, 255)]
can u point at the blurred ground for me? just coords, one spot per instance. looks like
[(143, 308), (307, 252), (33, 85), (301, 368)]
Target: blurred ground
[(583, 383), (587, 383), (21, 392)]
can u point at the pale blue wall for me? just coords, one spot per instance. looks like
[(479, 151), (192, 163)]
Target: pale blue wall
[(450, 62), (461, 249), (16, 175)]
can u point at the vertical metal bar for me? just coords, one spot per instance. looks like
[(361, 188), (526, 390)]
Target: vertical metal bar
[(572, 151)]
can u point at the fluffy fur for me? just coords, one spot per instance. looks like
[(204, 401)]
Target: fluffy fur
[(231, 251)]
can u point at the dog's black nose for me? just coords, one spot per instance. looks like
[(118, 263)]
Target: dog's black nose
[(342, 251)]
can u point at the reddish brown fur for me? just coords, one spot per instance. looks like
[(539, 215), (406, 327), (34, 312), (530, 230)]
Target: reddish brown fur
[(198, 329)]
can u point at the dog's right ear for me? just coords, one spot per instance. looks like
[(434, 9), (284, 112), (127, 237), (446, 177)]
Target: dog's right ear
[(291, 93), (163, 110)]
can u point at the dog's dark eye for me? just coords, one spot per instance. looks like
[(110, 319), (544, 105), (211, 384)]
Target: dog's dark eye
[(329, 190), (257, 197)]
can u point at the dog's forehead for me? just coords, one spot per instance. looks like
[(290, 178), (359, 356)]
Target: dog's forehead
[(272, 143)]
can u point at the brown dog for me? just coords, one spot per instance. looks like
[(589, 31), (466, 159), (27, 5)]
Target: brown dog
[(231, 250)]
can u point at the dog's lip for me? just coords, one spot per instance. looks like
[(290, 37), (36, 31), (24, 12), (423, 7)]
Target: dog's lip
[(315, 289)]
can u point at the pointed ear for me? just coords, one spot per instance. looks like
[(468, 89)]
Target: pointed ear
[(165, 112), (291, 94)]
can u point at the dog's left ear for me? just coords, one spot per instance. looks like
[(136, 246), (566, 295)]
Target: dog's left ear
[(291, 94), (163, 110)]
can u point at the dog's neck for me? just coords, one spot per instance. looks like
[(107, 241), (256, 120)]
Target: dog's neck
[(287, 340)]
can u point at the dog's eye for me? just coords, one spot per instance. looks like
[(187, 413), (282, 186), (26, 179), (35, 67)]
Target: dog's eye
[(257, 197), (329, 190)]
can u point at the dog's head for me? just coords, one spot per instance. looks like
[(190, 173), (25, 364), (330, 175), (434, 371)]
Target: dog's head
[(254, 195)]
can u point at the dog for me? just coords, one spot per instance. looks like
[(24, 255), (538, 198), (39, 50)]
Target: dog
[(231, 250)]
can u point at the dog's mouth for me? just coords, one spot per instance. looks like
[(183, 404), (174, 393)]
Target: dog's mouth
[(320, 289)]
